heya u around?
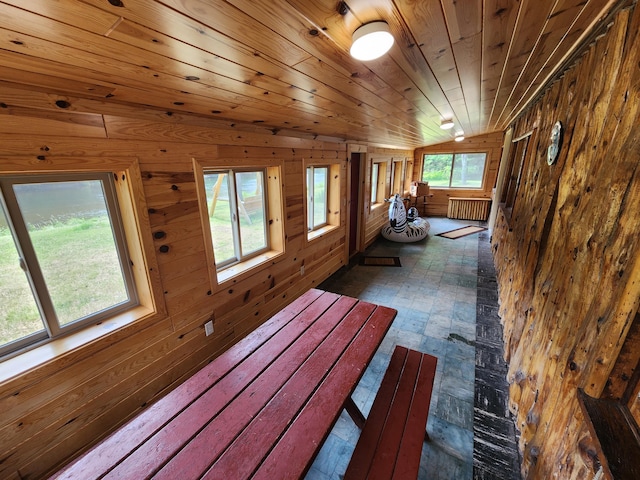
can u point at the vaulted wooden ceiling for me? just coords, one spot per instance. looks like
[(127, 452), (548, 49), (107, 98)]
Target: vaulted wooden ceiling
[(283, 66)]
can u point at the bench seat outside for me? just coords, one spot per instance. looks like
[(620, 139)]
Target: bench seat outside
[(390, 444)]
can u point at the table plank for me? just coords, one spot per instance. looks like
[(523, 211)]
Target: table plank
[(247, 452), (304, 437), (184, 436), (100, 459), (199, 453)]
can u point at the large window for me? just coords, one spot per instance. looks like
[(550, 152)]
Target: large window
[(237, 214), (63, 256), (317, 196), (454, 170)]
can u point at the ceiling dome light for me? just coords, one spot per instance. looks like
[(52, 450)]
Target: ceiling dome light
[(459, 137), (446, 124), (371, 41)]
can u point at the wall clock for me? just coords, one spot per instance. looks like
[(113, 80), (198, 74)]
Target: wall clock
[(555, 143)]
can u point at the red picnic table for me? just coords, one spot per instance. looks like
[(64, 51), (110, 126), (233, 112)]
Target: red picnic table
[(260, 410)]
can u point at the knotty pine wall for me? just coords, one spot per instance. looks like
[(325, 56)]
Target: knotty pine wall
[(53, 411), (568, 258), (377, 216), (438, 201)]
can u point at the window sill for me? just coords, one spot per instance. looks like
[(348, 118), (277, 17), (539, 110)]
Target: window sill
[(237, 269), (23, 361), (320, 232)]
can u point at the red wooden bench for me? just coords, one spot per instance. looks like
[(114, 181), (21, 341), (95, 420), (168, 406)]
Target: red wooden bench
[(390, 444), (260, 410)]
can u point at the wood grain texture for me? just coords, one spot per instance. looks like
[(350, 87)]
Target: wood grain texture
[(568, 282), (285, 66), (65, 405)]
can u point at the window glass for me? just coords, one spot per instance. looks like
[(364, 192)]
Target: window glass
[(468, 170), (397, 179), (220, 215), (19, 315), (317, 191), (237, 214), (74, 245), (448, 170), (436, 169), (63, 244), (375, 171), (253, 212)]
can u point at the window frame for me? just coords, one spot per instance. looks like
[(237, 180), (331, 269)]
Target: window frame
[(398, 176), (377, 182), (274, 207), (234, 205), (138, 237), (453, 155), (310, 197), (333, 198)]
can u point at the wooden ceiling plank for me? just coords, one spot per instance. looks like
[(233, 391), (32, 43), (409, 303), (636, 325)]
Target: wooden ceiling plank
[(100, 61), (161, 61), (464, 24), (558, 44), (527, 31), (389, 68), (499, 21)]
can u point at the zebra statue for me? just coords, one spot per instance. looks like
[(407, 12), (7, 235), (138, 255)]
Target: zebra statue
[(401, 230)]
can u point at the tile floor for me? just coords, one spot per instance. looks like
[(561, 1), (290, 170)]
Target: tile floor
[(435, 294)]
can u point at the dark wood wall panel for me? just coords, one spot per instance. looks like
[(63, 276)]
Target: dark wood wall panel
[(568, 255)]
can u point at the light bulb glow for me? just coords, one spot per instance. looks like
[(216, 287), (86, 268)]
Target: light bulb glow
[(371, 41), (446, 124)]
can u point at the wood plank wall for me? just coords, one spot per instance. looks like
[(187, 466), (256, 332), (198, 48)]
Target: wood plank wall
[(375, 217), (56, 410), (568, 257), (438, 202)]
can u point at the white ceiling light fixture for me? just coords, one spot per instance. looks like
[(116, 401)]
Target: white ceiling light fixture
[(446, 124), (459, 137), (371, 41)]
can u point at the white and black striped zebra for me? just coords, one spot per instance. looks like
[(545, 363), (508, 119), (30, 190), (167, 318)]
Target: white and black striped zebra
[(397, 215)]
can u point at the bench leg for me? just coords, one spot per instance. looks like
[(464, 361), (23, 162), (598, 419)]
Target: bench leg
[(354, 412)]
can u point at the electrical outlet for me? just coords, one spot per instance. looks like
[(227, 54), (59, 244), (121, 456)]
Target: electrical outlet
[(302, 270), (208, 328)]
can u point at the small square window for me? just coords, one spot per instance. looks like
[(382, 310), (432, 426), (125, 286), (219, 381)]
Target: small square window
[(378, 179), (241, 211), (237, 214)]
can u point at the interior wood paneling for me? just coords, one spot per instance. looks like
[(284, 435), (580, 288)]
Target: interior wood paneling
[(284, 65), (63, 406), (567, 258)]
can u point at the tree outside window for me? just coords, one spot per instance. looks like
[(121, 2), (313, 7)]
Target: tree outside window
[(454, 170)]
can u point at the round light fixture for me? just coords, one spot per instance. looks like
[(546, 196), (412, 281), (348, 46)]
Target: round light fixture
[(371, 41), (446, 124), (459, 137)]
